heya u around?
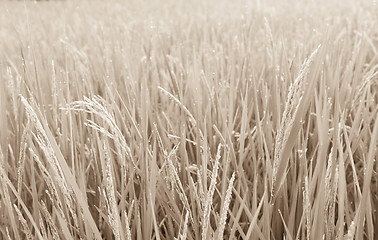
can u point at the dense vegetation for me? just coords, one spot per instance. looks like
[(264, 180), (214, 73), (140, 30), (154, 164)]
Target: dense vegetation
[(189, 119)]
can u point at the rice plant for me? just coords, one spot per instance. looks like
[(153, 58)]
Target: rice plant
[(188, 119)]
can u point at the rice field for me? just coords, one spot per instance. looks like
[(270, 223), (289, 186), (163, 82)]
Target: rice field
[(189, 119)]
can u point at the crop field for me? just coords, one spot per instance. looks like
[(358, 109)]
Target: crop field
[(189, 120)]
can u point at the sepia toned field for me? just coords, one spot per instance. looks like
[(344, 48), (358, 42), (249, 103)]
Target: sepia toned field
[(189, 119)]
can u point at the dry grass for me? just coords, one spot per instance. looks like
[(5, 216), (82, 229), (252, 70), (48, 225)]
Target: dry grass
[(189, 120)]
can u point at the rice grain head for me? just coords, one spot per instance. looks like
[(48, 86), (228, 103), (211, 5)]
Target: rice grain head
[(209, 197), (24, 224), (294, 99), (227, 201)]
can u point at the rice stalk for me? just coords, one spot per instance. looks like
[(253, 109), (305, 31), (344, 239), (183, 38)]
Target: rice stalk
[(113, 212), (8, 234), (127, 226), (331, 179), (44, 144), (50, 222), (24, 224), (21, 161), (59, 167), (183, 236), (176, 182), (183, 107), (225, 208), (54, 196), (307, 209), (42, 226), (4, 194), (289, 118), (209, 196)]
